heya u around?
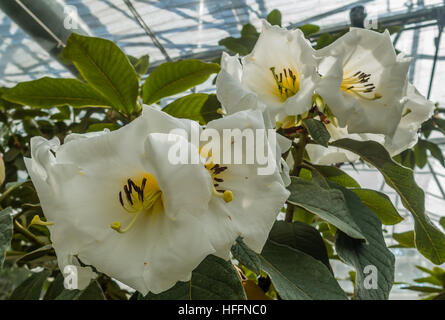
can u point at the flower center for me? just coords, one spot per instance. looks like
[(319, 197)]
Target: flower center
[(287, 81), (216, 171), (359, 85), (139, 196)]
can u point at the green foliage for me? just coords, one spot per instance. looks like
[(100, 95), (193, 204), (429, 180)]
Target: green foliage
[(380, 204), (435, 284), (31, 288), (430, 241), (5, 233), (50, 92), (213, 279), (200, 107), (175, 77), (405, 239), (297, 275), (243, 45), (318, 131), (274, 17), (361, 255), (329, 204), (106, 68)]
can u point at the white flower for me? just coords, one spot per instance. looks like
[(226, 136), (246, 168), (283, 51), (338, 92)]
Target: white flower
[(279, 75), (119, 205), (416, 110), (370, 81)]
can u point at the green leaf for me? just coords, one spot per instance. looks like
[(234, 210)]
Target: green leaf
[(430, 241), (423, 289), (309, 29), (249, 30), (380, 204), (361, 255), (329, 205), (297, 275), (242, 46), (140, 65), (92, 292), (174, 77), (50, 92), (274, 17), (318, 131), (420, 154), (442, 222), (435, 150), (302, 237), (55, 288), (5, 233), (106, 68), (213, 279), (324, 40), (101, 126), (336, 175), (405, 239), (196, 106), (245, 256), (31, 288)]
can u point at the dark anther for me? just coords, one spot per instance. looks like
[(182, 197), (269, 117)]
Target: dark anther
[(355, 75), (218, 180), (120, 198), (128, 194), (141, 193)]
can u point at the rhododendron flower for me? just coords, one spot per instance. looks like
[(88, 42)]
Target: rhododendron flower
[(280, 75), (369, 81), (416, 110), (118, 204)]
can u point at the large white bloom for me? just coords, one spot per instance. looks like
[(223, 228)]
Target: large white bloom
[(279, 75), (119, 205), (416, 110), (370, 81)]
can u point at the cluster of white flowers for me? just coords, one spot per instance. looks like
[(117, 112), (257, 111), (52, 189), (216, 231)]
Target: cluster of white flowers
[(117, 204), (361, 80)]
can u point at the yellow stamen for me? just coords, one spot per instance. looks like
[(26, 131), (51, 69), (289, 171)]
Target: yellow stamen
[(359, 85), (287, 81), (38, 221), (139, 196), (227, 195)]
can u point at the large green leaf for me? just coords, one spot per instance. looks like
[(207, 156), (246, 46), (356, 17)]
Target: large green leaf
[(298, 276), (174, 77), (380, 204), (336, 175), (31, 288), (213, 279), (318, 131), (300, 236), (246, 256), (196, 106), (361, 256), (328, 204), (5, 233), (106, 68), (430, 241), (50, 92)]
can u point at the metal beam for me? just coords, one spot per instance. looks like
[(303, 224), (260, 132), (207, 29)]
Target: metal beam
[(46, 21)]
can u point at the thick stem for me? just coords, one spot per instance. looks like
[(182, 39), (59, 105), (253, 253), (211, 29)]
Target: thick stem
[(298, 160)]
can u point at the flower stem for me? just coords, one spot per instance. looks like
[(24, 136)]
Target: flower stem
[(28, 234), (298, 160)]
